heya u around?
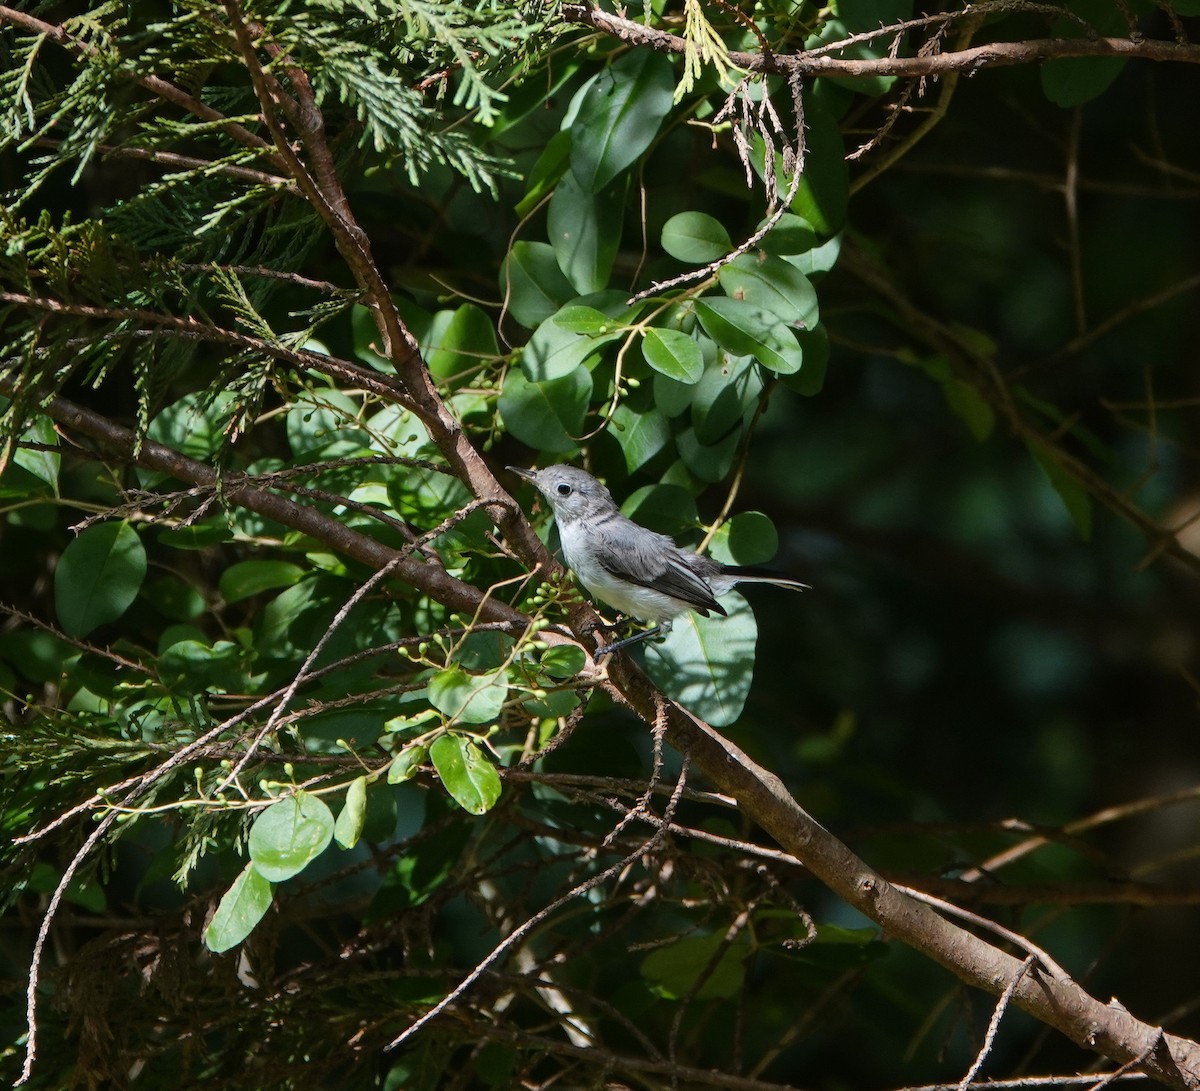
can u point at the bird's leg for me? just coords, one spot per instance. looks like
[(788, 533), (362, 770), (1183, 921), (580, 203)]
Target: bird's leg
[(590, 627), (619, 644)]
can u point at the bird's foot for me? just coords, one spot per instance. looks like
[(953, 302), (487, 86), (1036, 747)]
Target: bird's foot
[(616, 646)]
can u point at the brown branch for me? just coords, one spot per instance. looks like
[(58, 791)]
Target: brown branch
[(319, 182), (430, 579), (1061, 1003), (374, 382), (991, 55)]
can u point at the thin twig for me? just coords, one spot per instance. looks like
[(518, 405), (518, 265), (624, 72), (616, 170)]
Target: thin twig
[(994, 1023)]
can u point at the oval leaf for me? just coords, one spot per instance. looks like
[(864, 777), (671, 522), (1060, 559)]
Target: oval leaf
[(546, 415), (405, 764), (746, 329), (533, 284), (242, 907), (674, 354), (468, 776), (289, 835), (748, 538), (619, 116), (696, 238), (774, 285), (248, 578), (98, 577), (349, 825)]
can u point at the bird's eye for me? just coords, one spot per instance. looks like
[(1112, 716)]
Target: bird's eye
[(564, 489)]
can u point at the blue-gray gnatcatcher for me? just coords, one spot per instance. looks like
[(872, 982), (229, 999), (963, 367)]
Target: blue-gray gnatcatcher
[(641, 573)]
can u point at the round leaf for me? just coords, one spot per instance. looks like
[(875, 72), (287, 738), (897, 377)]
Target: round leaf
[(563, 660), (748, 538), (98, 577), (468, 776), (774, 285), (696, 238), (289, 835)]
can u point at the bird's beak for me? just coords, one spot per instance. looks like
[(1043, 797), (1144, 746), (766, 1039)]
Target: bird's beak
[(529, 475)]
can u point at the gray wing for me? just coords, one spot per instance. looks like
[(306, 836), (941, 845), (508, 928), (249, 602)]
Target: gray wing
[(654, 561)]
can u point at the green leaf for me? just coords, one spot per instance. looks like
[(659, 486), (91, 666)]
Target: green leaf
[(641, 434), (774, 285), (675, 969), (668, 509), (533, 285), (289, 835), (584, 229), (708, 461), (674, 354), (728, 391), (748, 538), (43, 465), (746, 329), (1074, 496), (696, 238), (563, 660), (195, 424), (98, 577), (971, 406), (247, 578), (824, 190), (547, 415), (619, 115), (485, 651), (459, 341), (1072, 81), (349, 825), (556, 349), (468, 698), (469, 777), (579, 319), (242, 907), (546, 172), (791, 234), (405, 764), (814, 346), (707, 663)]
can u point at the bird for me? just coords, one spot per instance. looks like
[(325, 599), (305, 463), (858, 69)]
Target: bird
[(629, 567)]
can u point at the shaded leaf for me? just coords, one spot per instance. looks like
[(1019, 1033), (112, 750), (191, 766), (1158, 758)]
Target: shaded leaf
[(707, 663), (98, 577)]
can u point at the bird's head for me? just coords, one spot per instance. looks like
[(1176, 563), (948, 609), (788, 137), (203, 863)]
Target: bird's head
[(573, 493)]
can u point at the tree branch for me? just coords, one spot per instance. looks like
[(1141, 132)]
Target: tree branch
[(970, 60)]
